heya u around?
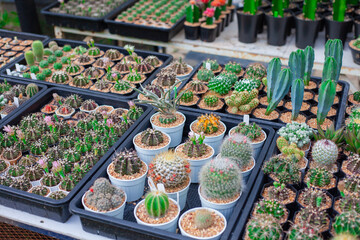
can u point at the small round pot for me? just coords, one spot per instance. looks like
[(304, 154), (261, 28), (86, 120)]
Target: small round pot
[(355, 52), (169, 226), (117, 213), (181, 77), (256, 146), (182, 195), (208, 33), (214, 142), (277, 29), (175, 133), (147, 155), (306, 32), (248, 26), (13, 161), (133, 188), (195, 165), (225, 208), (192, 30), (336, 30), (215, 237)]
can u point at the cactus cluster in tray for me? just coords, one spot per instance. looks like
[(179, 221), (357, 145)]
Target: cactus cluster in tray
[(238, 148), (242, 101)]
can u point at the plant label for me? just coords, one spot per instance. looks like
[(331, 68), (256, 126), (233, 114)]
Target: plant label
[(208, 66), (246, 119), (33, 76), (8, 72), (17, 66), (16, 101)]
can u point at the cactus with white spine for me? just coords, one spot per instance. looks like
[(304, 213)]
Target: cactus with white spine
[(264, 227), (325, 153)]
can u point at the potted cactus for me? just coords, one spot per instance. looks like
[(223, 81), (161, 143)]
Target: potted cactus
[(196, 152), (273, 208), (128, 172), (292, 152), (263, 226), (298, 133), (220, 185), (252, 131), (192, 23), (325, 154), (315, 217), (168, 119), (157, 210), (283, 169), (355, 49), (11, 154), (3, 167), (238, 148), (149, 143), (40, 190), (320, 178), (180, 68), (279, 192), (204, 223), (105, 198), (170, 169), (350, 218), (208, 28)]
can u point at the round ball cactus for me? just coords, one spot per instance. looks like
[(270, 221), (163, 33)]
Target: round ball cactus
[(31, 90), (239, 149), (303, 231), (348, 222), (203, 218), (187, 96), (325, 153), (211, 100), (156, 204), (205, 75), (319, 177), (152, 137), (264, 227), (127, 163)]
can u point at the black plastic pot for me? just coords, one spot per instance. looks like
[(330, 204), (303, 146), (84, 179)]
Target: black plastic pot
[(192, 32), (356, 27), (336, 30), (218, 27), (208, 34), (277, 29), (306, 32), (227, 19), (223, 22), (58, 210), (232, 13), (355, 52), (128, 228), (248, 26)]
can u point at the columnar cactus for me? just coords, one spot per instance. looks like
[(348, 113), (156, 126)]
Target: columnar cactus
[(271, 207), (30, 58), (347, 222), (220, 179), (170, 169), (242, 101), (38, 50), (325, 153), (156, 204), (127, 163), (327, 92), (319, 177), (194, 147), (208, 123), (297, 96), (239, 149), (203, 219), (264, 227), (251, 131), (31, 90), (151, 137), (303, 231)]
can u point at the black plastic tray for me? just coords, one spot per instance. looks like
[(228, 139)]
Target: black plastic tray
[(140, 31), (128, 228), (22, 36), (47, 207), (338, 119), (166, 58), (12, 82), (78, 22)]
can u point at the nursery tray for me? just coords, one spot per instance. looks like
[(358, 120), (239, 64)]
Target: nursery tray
[(12, 82), (338, 118), (165, 58), (21, 36), (128, 228), (58, 210), (78, 22), (141, 31), (262, 180)]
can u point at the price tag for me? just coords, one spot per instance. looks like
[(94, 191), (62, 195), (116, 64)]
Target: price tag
[(208, 66), (18, 69), (16, 101), (33, 76), (247, 119), (8, 72)]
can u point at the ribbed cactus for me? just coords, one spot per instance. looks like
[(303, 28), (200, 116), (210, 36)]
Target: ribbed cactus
[(314, 216), (40, 190), (297, 96), (22, 184), (134, 112), (30, 58), (58, 195), (211, 100), (281, 88), (208, 123), (151, 137), (205, 75), (169, 169), (31, 90), (51, 180), (347, 222), (220, 84), (350, 202), (298, 133), (127, 162), (197, 86), (60, 77), (297, 64), (233, 67), (344, 236), (319, 177), (325, 153), (339, 9), (34, 173), (314, 198), (286, 170), (220, 179), (353, 164), (309, 56), (179, 67), (327, 94), (68, 183), (273, 71), (80, 81), (356, 96), (350, 184), (38, 147), (271, 207), (213, 65), (192, 13), (264, 227), (11, 153), (334, 48), (166, 78), (251, 131), (194, 147), (278, 7), (255, 70), (188, 96), (242, 101), (156, 204), (38, 50), (247, 84), (303, 231), (16, 170), (238, 148)]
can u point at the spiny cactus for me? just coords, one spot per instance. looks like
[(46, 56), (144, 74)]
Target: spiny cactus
[(153, 60), (213, 65), (38, 147), (211, 100), (205, 75), (319, 177), (303, 231), (203, 218), (179, 67), (353, 164), (187, 97), (349, 202), (11, 153), (247, 84), (60, 77), (289, 149), (31, 90), (325, 153), (314, 197), (38, 50), (251, 131), (89, 105), (264, 227), (233, 67), (351, 184), (314, 216), (238, 148), (40, 190), (16, 171), (3, 166), (286, 170), (356, 96), (327, 92), (68, 183), (242, 101), (220, 84), (336, 136), (196, 86), (347, 222), (220, 179), (34, 173), (30, 58), (255, 70), (166, 78), (156, 89), (151, 137), (170, 169), (156, 204), (134, 111), (271, 207), (194, 147), (127, 162), (208, 123), (21, 184), (51, 180), (80, 81), (74, 101), (298, 133), (6, 180)]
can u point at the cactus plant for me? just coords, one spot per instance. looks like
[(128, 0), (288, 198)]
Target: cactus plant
[(211, 100), (309, 52), (297, 64), (134, 111), (238, 148), (34, 173), (208, 123), (187, 97), (251, 131), (196, 86), (271, 207), (38, 50), (273, 71), (179, 67), (327, 94), (247, 84), (284, 169), (170, 169), (334, 48), (205, 75), (242, 101), (6, 180), (319, 177), (325, 153), (30, 58), (203, 218), (156, 203), (16, 170), (277, 8), (255, 71), (50, 179), (316, 217), (220, 84), (21, 184), (151, 137), (68, 183), (335, 136), (298, 133), (11, 153), (303, 231), (220, 179), (314, 198), (356, 96), (31, 90), (127, 163), (212, 65), (350, 185), (233, 67), (263, 227), (352, 139), (347, 222), (192, 13), (60, 77), (297, 95), (194, 147), (339, 9), (40, 190)]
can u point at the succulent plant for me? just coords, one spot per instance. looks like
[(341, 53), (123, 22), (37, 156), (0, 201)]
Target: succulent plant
[(286, 170), (220, 84), (144, 67), (187, 97), (60, 77), (220, 179), (303, 231), (255, 70), (242, 101), (89, 105), (11, 153), (92, 72), (353, 164), (325, 153), (289, 149), (127, 163), (74, 101), (327, 92), (347, 222), (330, 134), (156, 203), (40, 190), (103, 196), (156, 89), (271, 207), (238, 148), (153, 60), (21, 184), (50, 179), (356, 96), (314, 198), (351, 184), (264, 227), (93, 51), (251, 131), (352, 138), (179, 67), (68, 183), (38, 147), (196, 86), (212, 65), (6, 180), (166, 78), (31, 90), (80, 81), (194, 147), (3, 165), (319, 177), (233, 67), (134, 112), (208, 123), (314, 216), (247, 84), (151, 137), (211, 100), (30, 58), (16, 171), (58, 195), (205, 75), (34, 173), (203, 218), (298, 133)]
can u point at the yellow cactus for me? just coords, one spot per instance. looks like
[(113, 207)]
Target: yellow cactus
[(208, 123)]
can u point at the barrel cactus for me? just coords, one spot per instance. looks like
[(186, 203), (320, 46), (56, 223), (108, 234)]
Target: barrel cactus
[(194, 147), (21, 184), (156, 204), (134, 112), (233, 67), (325, 153), (247, 84), (211, 100), (127, 163), (319, 177), (34, 173), (303, 231), (252, 131), (316, 217), (239, 149), (347, 222), (203, 218), (31, 89), (60, 77), (197, 86), (212, 65), (264, 227), (80, 81), (50, 180), (205, 75), (271, 207), (151, 137)]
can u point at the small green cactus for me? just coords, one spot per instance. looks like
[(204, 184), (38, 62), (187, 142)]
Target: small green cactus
[(38, 50), (220, 84), (303, 231), (239, 149), (134, 112), (213, 64), (233, 67), (347, 222), (16, 171), (127, 163), (203, 218), (60, 77), (242, 101), (211, 100), (156, 204), (255, 71), (50, 180), (319, 177), (247, 84), (30, 58), (286, 170), (40, 190), (316, 217), (252, 131), (205, 75), (151, 137), (264, 227), (356, 96), (187, 97), (22, 184), (271, 207), (31, 90)]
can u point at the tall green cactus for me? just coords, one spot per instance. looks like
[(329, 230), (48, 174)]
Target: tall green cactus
[(334, 48), (192, 13), (281, 88), (273, 71), (297, 64), (339, 8), (278, 8), (309, 9), (38, 49), (327, 94), (329, 71), (30, 58), (309, 63), (297, 95), (250, 6)]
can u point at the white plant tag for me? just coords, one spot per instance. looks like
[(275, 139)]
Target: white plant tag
[(16, 101), (161, 187), (208, 66), (8, 72), (151, 184), (18, 69), (33, 76), (247, 119)]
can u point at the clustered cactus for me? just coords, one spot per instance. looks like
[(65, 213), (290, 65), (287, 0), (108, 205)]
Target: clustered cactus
[(242, 101), (298, 133), (247, 84), (319, 177), (205, 75), (285, 170)]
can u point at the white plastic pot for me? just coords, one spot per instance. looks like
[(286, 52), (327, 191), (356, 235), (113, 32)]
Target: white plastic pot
[(215, 141), (182, 195), (182, 77), (133, 188), (169, 226), (147, 155), (36, 183), (3, 173), (215, 237), (175, 133), (63, 115), (195, 165), (225, 208), (245, 174), (117, 213), (303, 169), (256, 146)]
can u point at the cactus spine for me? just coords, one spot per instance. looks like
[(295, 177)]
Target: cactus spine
[(156, 204), (238, 148), (127, 163), (319, 177), (297, 96), (38, 49), (309, 56), (151, 137), (325, 153), (348, 222), (327, 94), (31, 90), (303, 231), (264, 227)]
